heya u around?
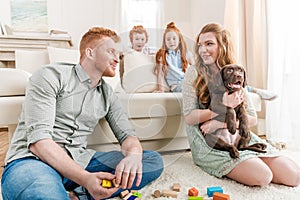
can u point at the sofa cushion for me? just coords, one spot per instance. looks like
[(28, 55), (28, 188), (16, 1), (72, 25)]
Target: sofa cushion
[(137, 73), (149, 105), (10, 109), (63, 55), (13, 81), (31, 60)]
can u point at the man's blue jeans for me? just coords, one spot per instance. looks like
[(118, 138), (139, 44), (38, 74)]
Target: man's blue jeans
[(30, 178)]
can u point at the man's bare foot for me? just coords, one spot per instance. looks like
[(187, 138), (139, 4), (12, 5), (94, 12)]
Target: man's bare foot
[(73, 196)]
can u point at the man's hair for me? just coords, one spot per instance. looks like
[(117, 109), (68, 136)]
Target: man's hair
[(90, 39), (138, 29)]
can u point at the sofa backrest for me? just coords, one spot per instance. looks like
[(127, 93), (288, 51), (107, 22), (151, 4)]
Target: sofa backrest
[(137, 73), (137, 68), (31, 60), (13, 82)]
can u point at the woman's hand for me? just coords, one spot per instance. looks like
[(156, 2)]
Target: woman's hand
[(128, 169), (211, 126), (234, 99)]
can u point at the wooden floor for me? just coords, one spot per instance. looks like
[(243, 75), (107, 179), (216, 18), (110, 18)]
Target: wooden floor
[(3, 147)]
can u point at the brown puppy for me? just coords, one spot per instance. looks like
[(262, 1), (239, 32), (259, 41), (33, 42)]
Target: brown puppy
[(231, 79)]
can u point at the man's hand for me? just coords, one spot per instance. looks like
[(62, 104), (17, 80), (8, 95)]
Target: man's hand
[(93, 184), (130, 167)]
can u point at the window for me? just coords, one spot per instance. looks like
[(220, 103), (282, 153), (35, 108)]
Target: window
[(141, 12)]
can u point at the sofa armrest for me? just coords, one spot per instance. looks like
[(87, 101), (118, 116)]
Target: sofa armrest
[(256, 101)]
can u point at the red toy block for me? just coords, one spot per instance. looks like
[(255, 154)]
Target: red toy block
[(193, 192), (220, 196)]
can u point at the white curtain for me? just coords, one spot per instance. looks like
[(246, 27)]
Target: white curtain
[(282, 116), (246, 21)]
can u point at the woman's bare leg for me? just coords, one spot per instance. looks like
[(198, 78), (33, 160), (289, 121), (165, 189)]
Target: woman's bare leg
[(285, 171), (252, 172)]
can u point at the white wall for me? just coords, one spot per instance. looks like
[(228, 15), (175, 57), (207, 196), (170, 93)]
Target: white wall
[(5, 12), (78, 16)]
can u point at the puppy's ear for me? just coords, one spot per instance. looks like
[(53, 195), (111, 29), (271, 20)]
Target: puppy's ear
[(222, 71), (245, 77)]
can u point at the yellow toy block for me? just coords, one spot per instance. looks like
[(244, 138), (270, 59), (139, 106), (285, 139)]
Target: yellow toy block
[(106, 183)]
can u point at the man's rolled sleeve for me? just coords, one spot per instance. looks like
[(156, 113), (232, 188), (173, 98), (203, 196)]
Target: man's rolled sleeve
[(37, 133)]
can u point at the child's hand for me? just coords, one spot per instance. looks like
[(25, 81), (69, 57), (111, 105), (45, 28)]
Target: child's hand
[(158, 91)]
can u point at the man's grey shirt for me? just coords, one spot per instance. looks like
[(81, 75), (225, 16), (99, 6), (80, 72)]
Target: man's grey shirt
[(61, 105)]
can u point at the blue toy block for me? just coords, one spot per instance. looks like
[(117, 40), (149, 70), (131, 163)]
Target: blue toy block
[(132, 197), (212, 190)]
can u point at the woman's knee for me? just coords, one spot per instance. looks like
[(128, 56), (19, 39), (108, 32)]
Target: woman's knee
[(252, 172), (263, 178), (260, 177), (294, 181)]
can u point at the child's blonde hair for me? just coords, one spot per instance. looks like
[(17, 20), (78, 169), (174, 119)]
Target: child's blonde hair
[(161, 54)]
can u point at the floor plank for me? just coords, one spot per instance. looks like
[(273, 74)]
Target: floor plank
[(3, 149)]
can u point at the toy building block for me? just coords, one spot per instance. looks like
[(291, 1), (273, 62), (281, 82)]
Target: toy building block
[(124, 193), (137, 194), (129, 197), (114, 183), (156, 193), (106, 183), (193, 192), (220, 196), (176, 187), (195, 198), (212, 190), (169, 193)]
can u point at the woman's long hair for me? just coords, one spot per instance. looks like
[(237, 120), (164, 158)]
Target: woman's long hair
[(225, 57), (160, 57)]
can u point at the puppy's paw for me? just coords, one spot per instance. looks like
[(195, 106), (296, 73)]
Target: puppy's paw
[(261, 146), (234, 153), (231, 128), (244, 133)]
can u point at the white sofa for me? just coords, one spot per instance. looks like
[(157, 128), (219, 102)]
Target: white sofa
[(156, 117)]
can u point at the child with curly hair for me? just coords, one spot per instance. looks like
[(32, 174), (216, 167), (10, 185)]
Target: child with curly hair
[(138, 38)]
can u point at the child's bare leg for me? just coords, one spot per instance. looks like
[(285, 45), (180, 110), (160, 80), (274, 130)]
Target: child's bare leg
[(264, 94)]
